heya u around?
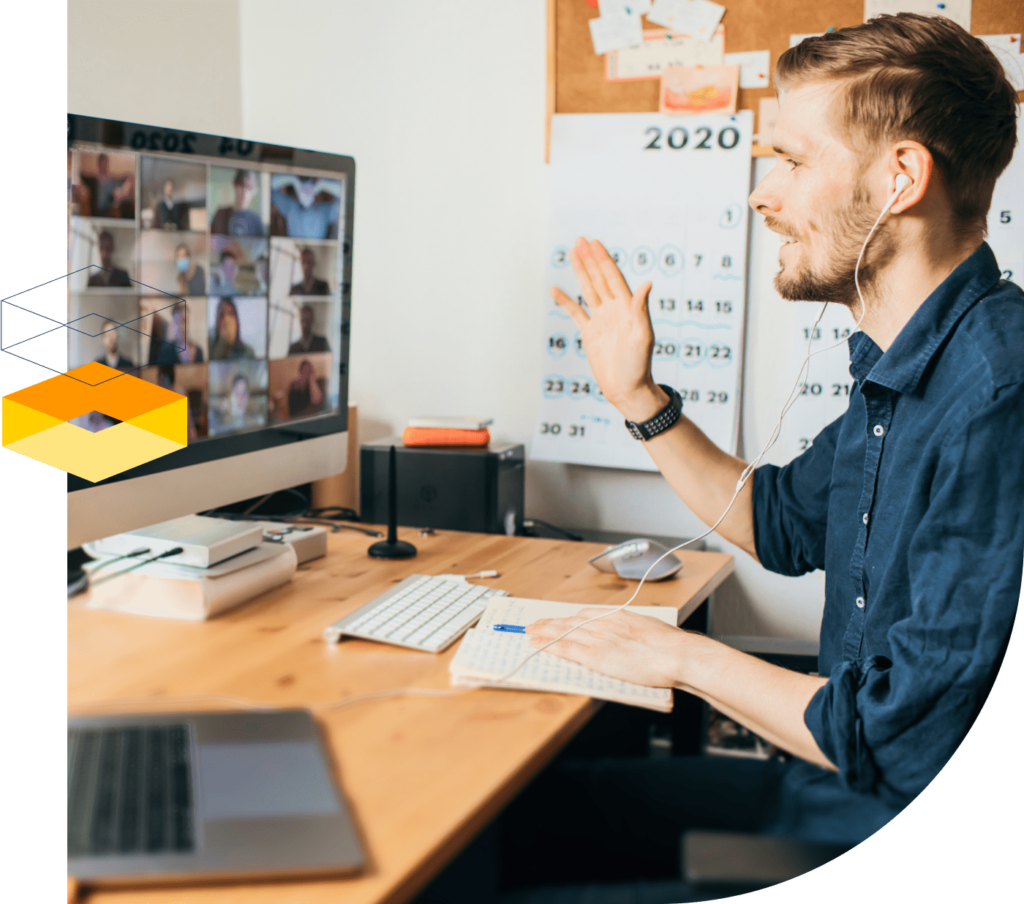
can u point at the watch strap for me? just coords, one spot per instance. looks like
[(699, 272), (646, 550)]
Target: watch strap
[(664, 419)]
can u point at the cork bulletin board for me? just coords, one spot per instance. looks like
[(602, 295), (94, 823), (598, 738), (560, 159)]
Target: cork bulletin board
[(576, 82)]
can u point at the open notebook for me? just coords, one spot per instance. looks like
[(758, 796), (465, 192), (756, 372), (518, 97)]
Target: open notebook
[(485, 655)]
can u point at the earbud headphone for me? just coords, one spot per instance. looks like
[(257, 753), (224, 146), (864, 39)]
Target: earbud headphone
[(902, 182)]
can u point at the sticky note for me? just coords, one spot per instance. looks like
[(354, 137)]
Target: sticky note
[(754, 67), (662, 48), (698, 18), (615, 32)]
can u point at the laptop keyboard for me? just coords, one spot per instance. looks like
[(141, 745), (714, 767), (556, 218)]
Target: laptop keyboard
[(130, 790)]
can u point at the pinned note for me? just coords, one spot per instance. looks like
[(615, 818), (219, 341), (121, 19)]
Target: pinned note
[(767, 117), (957, 10), (796, 39), (615, 32), (754, 67), (660, 49), (687, 90), (1007, 50), (698, 18), (624, 7)]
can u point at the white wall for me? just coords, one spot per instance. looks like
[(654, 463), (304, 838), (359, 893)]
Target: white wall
[(442, 106), (170, 63)]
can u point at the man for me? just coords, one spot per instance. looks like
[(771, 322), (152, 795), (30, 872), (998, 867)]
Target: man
[(309, 285), (113, 193), (307, 392), (308, 342), (912, 502), (168, 213), (309, 209), (109, 276), (111, 356), (191, 277), (239, 220)]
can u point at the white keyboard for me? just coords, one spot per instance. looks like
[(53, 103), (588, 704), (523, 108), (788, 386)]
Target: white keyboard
[(423, 613)]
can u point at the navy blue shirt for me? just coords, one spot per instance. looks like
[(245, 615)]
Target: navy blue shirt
[(913, 503)]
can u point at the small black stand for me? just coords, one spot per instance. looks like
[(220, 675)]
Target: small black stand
[(392, 547)]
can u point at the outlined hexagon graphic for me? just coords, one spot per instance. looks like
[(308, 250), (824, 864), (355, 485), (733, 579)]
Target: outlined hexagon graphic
[(150, 421), (154, 422)]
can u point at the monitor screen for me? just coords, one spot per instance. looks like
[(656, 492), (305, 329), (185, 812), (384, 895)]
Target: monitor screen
[(217, 268)]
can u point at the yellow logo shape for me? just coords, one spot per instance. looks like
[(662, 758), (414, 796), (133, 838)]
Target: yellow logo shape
[(154, 422)]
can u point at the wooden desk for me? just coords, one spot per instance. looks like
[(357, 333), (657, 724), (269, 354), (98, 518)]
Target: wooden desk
[(422, 775)]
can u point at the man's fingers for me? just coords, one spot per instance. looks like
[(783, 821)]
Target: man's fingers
[(642, 297), (593, 271), (570, 307), (613, 277), (587, 289)]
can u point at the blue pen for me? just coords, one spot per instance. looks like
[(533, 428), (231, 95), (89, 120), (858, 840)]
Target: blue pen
[(514, 629)]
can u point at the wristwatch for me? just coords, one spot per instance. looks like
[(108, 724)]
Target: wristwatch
[(662, 420)]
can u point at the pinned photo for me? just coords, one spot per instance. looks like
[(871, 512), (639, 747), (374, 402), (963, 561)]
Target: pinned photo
[(686, 90)]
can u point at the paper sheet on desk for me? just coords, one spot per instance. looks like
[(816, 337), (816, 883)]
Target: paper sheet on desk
[(514, 610), (485, 655)]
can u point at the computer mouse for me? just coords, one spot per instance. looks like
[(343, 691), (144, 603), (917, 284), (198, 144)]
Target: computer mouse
[(631, 560)]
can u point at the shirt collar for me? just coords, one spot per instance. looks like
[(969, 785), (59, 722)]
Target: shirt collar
[(902, 367)]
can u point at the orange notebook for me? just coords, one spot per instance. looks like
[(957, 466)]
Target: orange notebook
[(444, 436)]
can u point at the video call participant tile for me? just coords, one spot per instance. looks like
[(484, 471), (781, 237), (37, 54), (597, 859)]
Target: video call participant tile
[(104, 329), (173, 195), (237, 328), (174, 262), (173, 331), (103, 184), (303, 268), (102, 257), (191, 381), (238, 265), (238, 202), (301, 327), (300, 387), (237, 396), (304, 207)]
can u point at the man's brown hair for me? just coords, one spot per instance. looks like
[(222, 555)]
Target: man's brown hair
[(918, 78)]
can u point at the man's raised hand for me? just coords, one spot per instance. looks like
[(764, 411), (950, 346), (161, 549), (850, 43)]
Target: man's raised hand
[(616, 331)]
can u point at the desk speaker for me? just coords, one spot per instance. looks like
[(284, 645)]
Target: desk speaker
[(448, 488)]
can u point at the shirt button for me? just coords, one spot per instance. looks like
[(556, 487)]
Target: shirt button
[(879, 429), (860, 602), (865, 517)]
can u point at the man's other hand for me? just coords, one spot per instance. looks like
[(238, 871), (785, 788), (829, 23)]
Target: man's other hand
[(625, 645)]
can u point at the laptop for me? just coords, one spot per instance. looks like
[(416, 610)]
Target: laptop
[(181, 797)]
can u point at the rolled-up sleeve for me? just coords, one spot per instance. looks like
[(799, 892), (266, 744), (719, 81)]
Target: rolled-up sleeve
[(890, 726), (790, 507)]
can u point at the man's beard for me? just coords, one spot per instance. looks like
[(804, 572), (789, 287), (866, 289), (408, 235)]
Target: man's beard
[(845, 229)]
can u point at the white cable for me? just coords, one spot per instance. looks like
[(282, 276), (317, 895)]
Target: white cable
[(794, 394)]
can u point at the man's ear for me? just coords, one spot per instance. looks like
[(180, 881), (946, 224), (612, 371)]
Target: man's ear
[(914, 161)]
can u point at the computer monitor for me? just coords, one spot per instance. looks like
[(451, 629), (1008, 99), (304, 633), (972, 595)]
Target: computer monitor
[(221, 269)]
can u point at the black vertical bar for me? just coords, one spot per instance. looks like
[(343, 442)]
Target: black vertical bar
[(392, 498)]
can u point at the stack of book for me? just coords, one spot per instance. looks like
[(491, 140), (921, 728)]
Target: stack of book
[(447, 431)]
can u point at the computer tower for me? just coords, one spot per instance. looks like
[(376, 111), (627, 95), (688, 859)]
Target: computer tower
[(448, 488)]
